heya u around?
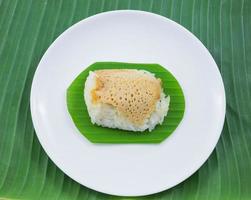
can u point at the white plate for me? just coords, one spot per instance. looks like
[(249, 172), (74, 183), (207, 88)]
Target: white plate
[(132, 169)]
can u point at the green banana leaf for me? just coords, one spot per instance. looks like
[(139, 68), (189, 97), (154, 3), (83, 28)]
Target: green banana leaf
[(96, 134), (27, 28)]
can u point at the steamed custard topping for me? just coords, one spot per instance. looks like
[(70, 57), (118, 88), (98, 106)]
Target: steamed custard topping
[(133, 93)]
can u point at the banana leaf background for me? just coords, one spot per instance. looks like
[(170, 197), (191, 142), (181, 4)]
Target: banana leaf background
[(28, 27)]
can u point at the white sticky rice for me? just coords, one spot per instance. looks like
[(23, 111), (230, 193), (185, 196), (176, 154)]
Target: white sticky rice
[(107, 115)]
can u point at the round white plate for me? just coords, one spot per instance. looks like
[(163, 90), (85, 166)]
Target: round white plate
[(128, 169)]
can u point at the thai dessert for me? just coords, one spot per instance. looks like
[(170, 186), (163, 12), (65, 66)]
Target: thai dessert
[(127, 99)]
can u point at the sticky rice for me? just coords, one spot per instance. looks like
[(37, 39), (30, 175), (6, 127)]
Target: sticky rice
[(126, 99)]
